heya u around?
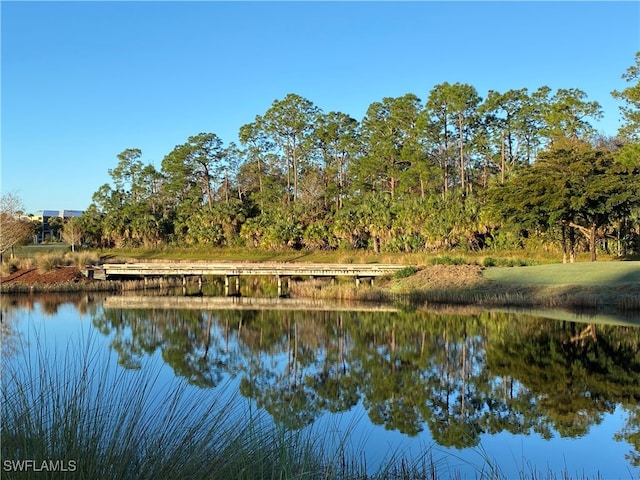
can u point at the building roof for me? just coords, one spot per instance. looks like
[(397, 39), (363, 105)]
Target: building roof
[(60, 213)]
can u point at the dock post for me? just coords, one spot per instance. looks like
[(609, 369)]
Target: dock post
[(283, 285), (228, 288)]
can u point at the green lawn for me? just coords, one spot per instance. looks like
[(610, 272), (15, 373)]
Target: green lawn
[(584, 273), (31, 250)]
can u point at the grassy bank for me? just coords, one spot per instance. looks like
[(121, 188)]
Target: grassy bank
[(603, 285), (505, 280), (578, 285), (508, 258), (558, 275)]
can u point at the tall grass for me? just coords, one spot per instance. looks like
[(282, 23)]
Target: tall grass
[(629, 302), (49, 261), (101, 421), (98, 421)]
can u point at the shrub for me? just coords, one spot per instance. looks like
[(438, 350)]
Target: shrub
[(48, 262), (405, 272), (448, 260), (83, 259), (9, 267), (489, 262)]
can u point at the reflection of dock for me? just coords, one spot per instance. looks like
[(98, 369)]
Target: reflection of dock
[(237, 303), (232, 271)]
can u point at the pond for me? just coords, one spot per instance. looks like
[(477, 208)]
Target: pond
[(523, 391)]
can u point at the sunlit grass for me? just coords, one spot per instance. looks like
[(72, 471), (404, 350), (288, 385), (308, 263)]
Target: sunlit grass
[(41, 248), (528, 256), (525, 291), (261, 255), (334, 256), (584, 273)]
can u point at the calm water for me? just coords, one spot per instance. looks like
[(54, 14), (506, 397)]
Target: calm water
[(531, 394)]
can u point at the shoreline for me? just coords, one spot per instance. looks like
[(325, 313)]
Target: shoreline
[(435, 284)]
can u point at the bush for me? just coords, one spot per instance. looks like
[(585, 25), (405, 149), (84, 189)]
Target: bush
[(9, 267), (48, 262), (505, 262), (83, 259), (489, 262), (447, 260), (405, 272)]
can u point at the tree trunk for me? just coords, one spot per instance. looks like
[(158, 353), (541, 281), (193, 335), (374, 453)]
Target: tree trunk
[(288, 179), (565, 243), (590, 234), (502, 159), (572, 245), (226, 186), (295, 175), (461, 156)]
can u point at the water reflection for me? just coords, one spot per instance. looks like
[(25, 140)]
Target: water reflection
[(458, 375)]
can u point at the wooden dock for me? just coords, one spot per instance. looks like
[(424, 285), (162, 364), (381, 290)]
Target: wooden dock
[(235, 270), (248, 269)]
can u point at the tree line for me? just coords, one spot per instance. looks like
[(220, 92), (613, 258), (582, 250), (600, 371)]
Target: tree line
[(513, 169)]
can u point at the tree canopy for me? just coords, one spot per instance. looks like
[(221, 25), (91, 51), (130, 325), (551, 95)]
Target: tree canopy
[(453, 171), (572, 186)]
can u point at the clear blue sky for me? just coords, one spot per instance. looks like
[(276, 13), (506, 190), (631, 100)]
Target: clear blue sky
[(83, 81)]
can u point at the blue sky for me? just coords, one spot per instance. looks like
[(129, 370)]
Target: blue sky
[(83, 81)]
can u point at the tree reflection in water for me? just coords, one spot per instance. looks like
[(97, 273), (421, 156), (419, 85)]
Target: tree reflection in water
[(458, 375)]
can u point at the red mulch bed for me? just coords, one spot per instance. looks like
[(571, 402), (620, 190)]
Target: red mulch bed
[(31, 276)]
